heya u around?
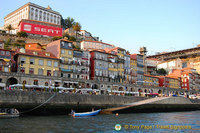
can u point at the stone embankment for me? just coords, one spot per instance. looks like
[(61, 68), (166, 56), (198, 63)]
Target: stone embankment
[(32, 102)]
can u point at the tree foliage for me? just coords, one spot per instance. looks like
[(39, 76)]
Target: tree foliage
[(77, 26), (69, 22), (71, 38), (161, 71), (9, 28), (22, 34), (56, 38)]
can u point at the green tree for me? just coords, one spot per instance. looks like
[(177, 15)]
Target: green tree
[(161, 71), (9, 28), (69, 22), (71, 38), (56, 38), (77, 27), (66, 35), (7, 44), (22, 34)]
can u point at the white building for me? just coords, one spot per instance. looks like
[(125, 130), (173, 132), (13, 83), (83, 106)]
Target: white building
[(32, 11), (170, 65), (95, 45)]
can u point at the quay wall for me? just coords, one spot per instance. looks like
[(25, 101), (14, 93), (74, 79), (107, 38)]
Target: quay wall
[(31, 102)]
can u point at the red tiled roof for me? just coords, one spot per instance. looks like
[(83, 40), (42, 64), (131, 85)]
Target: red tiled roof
[(150, 75), (39, 54), (133, 56)]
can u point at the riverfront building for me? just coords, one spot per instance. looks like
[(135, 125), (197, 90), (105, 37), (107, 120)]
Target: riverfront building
[(99, 65), (120, 53), (140, 69), (37, 63), (150, 80), (35, 19), (133, 65), (112, 66), (63, 50), (127, 68), (5, 60)]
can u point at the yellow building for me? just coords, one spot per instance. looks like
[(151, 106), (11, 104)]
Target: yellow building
[(112, 67), (120, 52), (5, 60), (37, 63), (63, 49), (150, 80), (174, 83)]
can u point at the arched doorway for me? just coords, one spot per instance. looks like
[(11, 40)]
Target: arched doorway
[(11, 81), (95, 86), (121, 89), (159, 91)]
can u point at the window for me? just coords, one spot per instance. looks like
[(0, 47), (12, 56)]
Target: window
[(22, 69), (23, 60), (70, 45), (46, 83), (55, 63), (31, 70), (35, 82), (24, 82), (41, 62), (49, 63), (40, 71), (62, 51), (55, 73), (48, 72), (2, 52), (7, 53), (32, 61), (69, 52), (5, 69)]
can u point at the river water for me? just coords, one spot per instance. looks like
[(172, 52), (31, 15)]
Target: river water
[(138, 122)]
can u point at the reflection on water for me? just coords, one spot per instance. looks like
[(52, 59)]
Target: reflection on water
[(156, 122)]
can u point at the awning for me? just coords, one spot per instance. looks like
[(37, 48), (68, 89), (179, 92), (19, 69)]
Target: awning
[(57, 80), (6, 60), (66, 81)]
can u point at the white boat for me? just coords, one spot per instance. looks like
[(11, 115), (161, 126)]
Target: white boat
[(8, 113)]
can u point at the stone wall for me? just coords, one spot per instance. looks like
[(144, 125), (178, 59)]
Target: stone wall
[(31, 39)]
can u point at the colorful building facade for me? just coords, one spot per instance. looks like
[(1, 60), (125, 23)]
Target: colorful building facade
[(37, 63)]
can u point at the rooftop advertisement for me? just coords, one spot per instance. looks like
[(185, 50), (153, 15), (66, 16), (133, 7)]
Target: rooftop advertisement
[(40, 29)]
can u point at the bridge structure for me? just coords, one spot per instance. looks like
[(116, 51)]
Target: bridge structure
[(134, 104)]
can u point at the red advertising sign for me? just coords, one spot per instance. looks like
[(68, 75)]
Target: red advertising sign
[(40, 29)]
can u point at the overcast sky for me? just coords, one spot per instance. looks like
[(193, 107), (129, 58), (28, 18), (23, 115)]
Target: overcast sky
[(159, 25)]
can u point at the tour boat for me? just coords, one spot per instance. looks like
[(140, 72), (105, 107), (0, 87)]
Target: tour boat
[(86, 113), (8, 113)]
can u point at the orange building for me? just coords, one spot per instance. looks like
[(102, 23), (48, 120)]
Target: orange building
[(35, 46)]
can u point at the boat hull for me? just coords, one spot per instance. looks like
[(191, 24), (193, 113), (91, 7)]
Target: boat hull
[(93, 113)]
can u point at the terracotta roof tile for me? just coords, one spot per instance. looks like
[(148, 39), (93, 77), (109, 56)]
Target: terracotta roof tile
[(39, 54)]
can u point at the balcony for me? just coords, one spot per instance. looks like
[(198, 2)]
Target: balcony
[(66, 70), (140, 65), (120, 60), (140, 72), (77, 54)]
